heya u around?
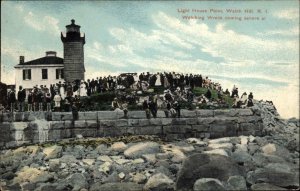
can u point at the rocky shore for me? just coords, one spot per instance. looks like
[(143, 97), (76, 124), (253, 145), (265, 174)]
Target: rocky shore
[(269, 162)]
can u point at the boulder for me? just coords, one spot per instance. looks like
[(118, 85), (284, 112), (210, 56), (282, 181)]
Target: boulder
[(104, 158), (217, 151), (274, 149), (139, 178), (234, 140), (197, 142), (241, 156), (77, 181), (68, 159), (208, 184), (116, 186), (274, 173), (237, 183), (139, 149), (118, 146), (199, 166), (89, 162), (54, 165), (52, 152), (265, 186), (151, 158), (105, 167), (159, 182), (227, 146)]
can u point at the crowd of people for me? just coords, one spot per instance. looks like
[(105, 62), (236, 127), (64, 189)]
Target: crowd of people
[(178, 88)]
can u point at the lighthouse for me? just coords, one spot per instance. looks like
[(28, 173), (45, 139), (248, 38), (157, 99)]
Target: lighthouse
[(73, 42)]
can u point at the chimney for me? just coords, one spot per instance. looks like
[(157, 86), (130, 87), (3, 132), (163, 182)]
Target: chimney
[(51, 53), (22, 58)]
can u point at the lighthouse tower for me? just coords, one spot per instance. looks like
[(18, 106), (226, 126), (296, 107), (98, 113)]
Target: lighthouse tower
[(73, 43)]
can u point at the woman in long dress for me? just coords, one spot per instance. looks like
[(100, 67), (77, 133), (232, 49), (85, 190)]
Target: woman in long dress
[(62, 92), (83, 90), (158, 81)]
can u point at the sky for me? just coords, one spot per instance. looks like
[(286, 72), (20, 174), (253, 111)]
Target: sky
[(259, 56)]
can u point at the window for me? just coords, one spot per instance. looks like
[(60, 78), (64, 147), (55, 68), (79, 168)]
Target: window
[(27, 74), (44, 74), (59, 73)]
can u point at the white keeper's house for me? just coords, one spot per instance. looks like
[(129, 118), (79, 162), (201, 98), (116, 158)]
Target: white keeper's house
[(42, 71), (51, 69)]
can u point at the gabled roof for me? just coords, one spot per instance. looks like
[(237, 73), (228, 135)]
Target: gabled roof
[(44, 60)]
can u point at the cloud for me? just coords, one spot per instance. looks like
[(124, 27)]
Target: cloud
[(226, 43), (294, 31), (290, 14), (42, 23)]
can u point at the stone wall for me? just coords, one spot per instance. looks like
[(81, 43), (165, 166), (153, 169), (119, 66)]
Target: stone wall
[(36, 127)]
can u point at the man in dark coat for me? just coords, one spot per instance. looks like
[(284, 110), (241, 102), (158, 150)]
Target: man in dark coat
[(21, 99), (12, 99)]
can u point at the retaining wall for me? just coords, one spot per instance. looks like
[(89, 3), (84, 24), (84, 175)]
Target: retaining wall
[(35, 127)]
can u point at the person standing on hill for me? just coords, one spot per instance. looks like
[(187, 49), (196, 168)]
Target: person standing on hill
[(12, 99), (208, 94), (146, 109), (21, 99), (29, 101)]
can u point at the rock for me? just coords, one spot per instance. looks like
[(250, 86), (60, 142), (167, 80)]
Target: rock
[(113, 177), (54, 165), (67, 159), (274, 149), (27, 174), (197, 142), (122, 186), (261, 159), (244, 140), (151, 158), (217, 151), (274, 173), (77, 181), (142, 148), (163, 156), (200, 166), (118, 146), (159, 182), (138, 161), (241, 147), (208, 184), (121, 175), (103, 149), (234, 140), (241, 156), (178, 156), (8, 175), (237, 183), (79, 136), (89, 162), (265, 186), (43, 177), (122, 161), (251, 139), (52, 152), (105, 167), (104, 158), (225, 146), (139, 178)]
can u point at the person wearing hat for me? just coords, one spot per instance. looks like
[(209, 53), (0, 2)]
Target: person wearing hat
[(177, 108), (34, 98), (48, 100), (12, 99), (21, 99), (29, 101)]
